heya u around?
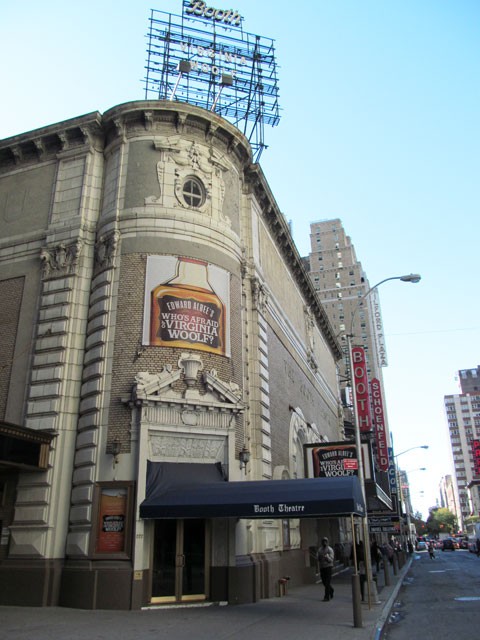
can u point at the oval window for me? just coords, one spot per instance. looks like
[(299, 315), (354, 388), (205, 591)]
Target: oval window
[(193, 192)]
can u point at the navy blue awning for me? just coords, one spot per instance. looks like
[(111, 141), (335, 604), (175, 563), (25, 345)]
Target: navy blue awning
[(200, 491)]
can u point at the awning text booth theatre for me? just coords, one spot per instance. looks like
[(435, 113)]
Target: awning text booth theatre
[(190, 490)]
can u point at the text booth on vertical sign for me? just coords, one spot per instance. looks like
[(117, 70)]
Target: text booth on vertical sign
[(360, 382)]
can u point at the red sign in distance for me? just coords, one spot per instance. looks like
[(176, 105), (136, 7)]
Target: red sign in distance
[(476, 456)]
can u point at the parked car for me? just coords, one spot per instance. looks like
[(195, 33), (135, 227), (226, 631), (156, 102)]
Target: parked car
[(448, 543), (421, 545)]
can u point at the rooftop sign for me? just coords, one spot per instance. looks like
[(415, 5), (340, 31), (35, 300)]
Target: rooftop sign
[(204, 57), (201, 9)]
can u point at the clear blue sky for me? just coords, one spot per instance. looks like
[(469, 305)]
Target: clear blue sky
[(380, 128)]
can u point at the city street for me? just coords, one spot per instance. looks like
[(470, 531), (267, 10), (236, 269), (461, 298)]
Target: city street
[(300, 615), (439, 599)]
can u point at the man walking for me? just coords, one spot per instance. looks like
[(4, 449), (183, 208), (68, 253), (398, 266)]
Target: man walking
[(326, 558)]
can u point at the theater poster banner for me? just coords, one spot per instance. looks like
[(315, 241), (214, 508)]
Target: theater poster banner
[(331, 460), (187, 304), (113, 519)]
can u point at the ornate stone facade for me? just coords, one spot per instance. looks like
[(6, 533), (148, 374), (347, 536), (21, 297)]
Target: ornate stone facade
[(169, 182)]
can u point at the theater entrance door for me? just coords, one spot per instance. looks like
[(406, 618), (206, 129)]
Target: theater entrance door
[(179, 561)]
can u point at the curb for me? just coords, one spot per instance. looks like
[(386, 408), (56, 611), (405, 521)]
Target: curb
[(383, 619)]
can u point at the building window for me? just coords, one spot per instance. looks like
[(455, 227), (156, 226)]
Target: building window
[(193, 192)]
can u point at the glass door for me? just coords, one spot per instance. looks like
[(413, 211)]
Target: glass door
[(178, 570)]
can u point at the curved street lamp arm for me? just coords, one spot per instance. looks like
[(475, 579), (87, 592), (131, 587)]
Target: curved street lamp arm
[(420, 446), (411, 277)]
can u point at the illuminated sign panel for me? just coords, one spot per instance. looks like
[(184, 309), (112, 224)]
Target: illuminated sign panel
[(360, 383), (205, 58), (392, 473), (378, 328), (379, 424), (201, 9), (476, 457)]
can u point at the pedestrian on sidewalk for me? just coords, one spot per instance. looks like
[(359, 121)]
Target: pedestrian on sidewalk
[(326, 559), (431, 550), (375, 554)]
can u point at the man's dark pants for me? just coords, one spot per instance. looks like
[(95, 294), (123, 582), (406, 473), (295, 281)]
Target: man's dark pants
[(326, 576)]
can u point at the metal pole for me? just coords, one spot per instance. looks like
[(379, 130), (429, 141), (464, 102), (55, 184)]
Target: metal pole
[(356, 592), (361, 476), (386, 570)]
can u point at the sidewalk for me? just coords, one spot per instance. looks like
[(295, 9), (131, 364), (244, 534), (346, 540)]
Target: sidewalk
[(300, 615)]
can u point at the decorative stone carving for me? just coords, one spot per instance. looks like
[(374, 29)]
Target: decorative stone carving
[(190, 418), (191, 363), (181, 121), (62, 136), (259, 295), (147, 384), (148, 115), (17, 153), (227, 390), (106, 250), (40, 147), (310, 335), (191, 159), (121, 128), (60, 260), (169, 446), (89, 136), (216, 393)]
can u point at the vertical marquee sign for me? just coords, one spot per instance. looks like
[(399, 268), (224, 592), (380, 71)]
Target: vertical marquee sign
[(205, 58), (360, 383), (379, 424), (476, 457), (379, 334)]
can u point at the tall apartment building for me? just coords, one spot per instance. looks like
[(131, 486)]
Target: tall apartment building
[(342, 286), (463, 418), (470, 380), (341, 283)]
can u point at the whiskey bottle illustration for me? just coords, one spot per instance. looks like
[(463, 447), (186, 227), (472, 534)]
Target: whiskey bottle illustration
[(186, 312)]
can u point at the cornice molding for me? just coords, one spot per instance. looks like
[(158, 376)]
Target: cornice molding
[(281, 232), (78, 135)]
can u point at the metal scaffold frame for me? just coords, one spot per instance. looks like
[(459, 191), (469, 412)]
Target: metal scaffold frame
[(216, 66)]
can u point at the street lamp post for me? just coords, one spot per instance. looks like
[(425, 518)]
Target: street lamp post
[(414, 278), (420, 446)]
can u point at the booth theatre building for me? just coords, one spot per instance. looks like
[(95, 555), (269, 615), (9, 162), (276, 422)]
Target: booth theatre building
[(164, 361)]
